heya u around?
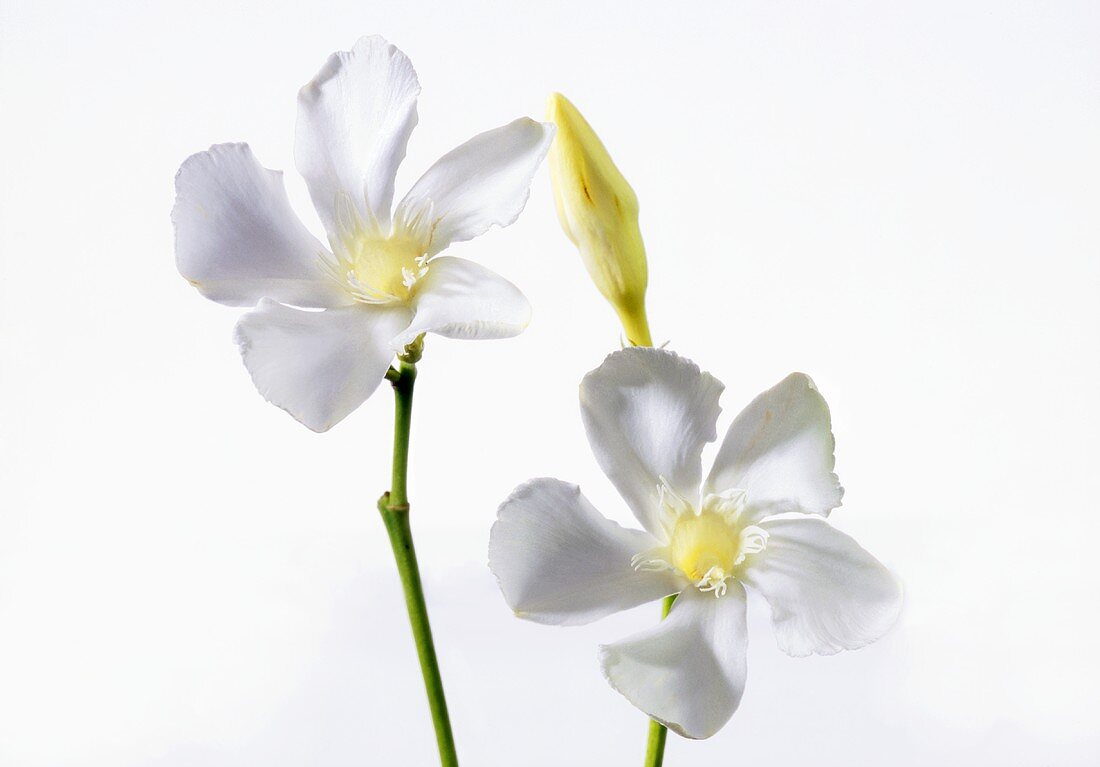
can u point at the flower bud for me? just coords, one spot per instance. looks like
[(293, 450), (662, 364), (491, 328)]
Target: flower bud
[(599, 212)]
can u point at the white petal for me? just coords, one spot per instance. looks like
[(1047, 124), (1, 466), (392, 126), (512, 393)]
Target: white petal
[(826, 593), (318, 366), (687, 672), (460, 299), (354, 122), (779, 450), (648, 413), (237, 240), (558, 560), (483, 182)]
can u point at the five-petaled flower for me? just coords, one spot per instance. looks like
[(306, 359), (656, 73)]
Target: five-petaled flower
[(757, 521), (381, 283)]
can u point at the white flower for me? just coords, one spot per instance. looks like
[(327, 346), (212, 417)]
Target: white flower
[(648, 414), (381, 282)]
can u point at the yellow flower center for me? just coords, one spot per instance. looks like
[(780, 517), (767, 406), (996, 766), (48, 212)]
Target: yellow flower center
[(704, 543), (385, 266), (375, 268), (707, 547)]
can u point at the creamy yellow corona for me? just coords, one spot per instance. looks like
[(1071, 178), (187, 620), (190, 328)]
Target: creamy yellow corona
[(599, 212), (707, 546)]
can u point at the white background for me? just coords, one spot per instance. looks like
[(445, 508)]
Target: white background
[(899, 199)]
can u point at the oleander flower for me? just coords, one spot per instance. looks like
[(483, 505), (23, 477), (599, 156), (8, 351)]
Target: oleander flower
[(756, 521), (381, 282)]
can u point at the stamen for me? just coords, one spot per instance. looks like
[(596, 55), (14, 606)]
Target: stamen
[(714, 580)]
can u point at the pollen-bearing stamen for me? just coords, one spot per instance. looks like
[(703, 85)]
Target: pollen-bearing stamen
[(409, 277), (714, 580)]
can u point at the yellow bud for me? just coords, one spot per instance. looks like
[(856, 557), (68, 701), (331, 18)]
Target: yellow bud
[(599, 212)]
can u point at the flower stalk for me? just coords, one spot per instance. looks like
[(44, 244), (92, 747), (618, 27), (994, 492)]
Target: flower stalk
[(658, 733), (394, 508)]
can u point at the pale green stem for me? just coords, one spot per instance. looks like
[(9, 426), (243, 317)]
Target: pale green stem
[(394, 507), (655, 743)]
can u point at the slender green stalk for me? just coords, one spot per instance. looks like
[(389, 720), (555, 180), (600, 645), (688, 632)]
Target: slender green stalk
[(655, 743), (394, 507)]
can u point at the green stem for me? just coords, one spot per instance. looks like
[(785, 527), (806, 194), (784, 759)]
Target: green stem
[(655, 743), (394, 507)]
